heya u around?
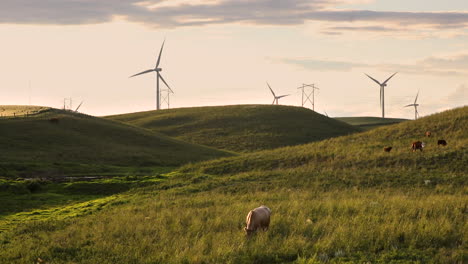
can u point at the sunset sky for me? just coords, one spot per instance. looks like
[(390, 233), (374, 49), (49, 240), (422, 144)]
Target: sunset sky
[(222, 52)]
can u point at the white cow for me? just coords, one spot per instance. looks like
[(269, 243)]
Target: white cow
[(258, 218)]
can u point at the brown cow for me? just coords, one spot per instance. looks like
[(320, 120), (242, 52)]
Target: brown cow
[(258, 218), (387, 149), (428, 134), (441, 142), (417, 145)]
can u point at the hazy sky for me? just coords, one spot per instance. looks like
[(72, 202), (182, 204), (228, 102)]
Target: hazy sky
[(221, 52)]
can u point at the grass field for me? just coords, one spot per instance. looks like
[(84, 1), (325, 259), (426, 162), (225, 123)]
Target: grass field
[(83, 145), (340, 200), (20, 110), (240, 128), (368, 123)]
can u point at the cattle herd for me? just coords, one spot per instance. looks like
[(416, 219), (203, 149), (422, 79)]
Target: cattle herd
[(419, 145), (259, 218)]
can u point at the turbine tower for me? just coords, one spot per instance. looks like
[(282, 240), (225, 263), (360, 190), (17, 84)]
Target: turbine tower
[(416, 114), (158, 76), (382, 92), (274, 95)]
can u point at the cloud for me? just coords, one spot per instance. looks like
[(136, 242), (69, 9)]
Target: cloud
[(177, 13), (450, 65), (324, 65), (360, 28), (460, 94)]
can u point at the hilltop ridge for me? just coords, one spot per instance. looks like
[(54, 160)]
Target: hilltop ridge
[(240, 128)]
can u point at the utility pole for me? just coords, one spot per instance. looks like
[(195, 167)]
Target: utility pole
[(165, 98), (306, 95)]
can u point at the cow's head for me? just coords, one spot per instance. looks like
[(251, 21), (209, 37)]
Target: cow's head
[(248, 232)]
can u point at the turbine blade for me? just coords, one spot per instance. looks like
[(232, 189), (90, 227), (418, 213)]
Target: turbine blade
[(373, 79), (281, 96), (409, 105), (274, 101), (159, 57), (389, 78), (76, 110), (162, 79), (416, 98), (143, 72), (271, 89)]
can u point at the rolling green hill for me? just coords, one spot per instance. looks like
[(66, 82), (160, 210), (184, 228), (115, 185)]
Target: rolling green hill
[(366, 122), (20, 110), (79, 144), (365, 149), (241, 128), (340, 200)]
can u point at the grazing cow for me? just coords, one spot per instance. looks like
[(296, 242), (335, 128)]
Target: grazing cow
[(258, 218), (428, 134), (54, 120), (387, 149), (441, 142), (417, 145)]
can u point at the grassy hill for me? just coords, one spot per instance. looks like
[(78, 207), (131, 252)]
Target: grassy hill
[(241, 128), (20, 110), (340, 200), (79, 144), (366, 122)]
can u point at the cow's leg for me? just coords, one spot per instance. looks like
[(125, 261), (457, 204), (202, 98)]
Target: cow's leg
[(267, 225)]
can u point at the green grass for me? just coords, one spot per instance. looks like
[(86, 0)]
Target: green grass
[(240, 128), (366, 122), (84, 145), (33, 200), (341, 200)]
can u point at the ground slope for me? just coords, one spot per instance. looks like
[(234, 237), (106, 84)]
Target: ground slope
[(75, 143), (21, 110), (366, 149), (366, 122), (341, 200), (242, 128)]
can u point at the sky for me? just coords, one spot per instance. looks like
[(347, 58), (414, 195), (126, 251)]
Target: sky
[(223, 52)]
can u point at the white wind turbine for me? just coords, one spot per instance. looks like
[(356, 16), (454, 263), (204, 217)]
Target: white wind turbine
[(382, 92), (274, 95), (158, 76), (416, 114)]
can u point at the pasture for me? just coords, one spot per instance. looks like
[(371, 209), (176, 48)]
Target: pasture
[(339, 200)]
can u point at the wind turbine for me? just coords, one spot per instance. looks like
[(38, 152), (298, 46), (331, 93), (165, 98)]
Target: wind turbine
[(382, 91), (76, 110), (416, 114), (274, 95), (158, 76)]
